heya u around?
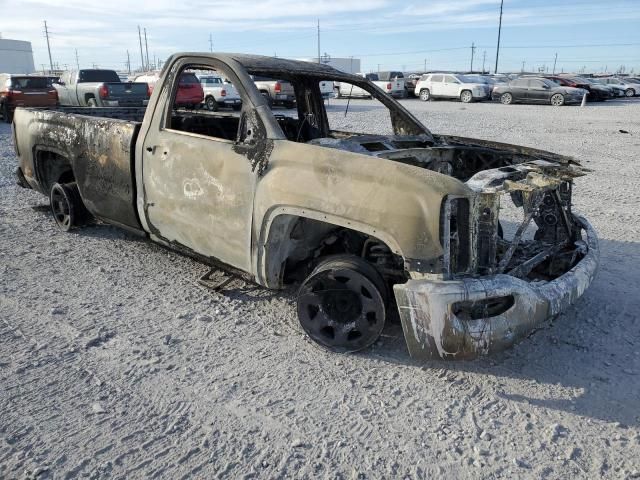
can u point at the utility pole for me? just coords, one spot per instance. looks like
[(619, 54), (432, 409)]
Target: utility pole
[(146, 46), (210, 42), (141, 54), (499, 30), (77, 60), (46, 34), (554, 64), (378, 69), (484, 57), (318, 40), (425, 66), (522, 71), (473, 51), (128, 63)]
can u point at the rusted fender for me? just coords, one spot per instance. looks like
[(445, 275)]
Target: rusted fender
[(432, 330)]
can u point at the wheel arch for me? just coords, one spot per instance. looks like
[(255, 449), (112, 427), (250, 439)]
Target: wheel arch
[(277, 243), (51, 166)]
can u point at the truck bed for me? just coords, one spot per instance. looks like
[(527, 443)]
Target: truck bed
[(94, 145)]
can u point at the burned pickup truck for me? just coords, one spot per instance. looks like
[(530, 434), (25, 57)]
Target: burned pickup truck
[(474, 242)]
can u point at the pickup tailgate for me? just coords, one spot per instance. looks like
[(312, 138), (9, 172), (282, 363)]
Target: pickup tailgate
[(98, 151), (126, 94)]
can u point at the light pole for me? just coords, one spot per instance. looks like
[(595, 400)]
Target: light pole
[(499, 30)]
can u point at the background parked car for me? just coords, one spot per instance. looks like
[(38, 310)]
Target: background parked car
[(616, 90), (410, 82), (448, 85), (393, 87), (398, 81), (277, 92), (99, 88), (190, 92), (25, 91), (630, 89), (597, 93), (218, 94), (536, 90), (347, 90)]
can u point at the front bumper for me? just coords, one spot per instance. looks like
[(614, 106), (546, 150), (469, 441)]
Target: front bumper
[(432, 330)]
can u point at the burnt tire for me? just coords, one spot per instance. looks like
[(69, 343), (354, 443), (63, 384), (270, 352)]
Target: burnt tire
[(211, 103), (466, 96), (557, 100), (342, 304), (425, 95), (506, 99), (67, 207)]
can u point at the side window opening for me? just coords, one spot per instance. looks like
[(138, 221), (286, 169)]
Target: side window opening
[(206, 102)]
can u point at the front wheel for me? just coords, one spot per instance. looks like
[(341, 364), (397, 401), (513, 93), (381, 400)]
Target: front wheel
[(557, 100), (67, 207), (506, 99), (341, 304), (466, 96), (629, 92), (425, 95)]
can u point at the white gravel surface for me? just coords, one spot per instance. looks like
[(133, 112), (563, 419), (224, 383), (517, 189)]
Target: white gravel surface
[(115, 364)]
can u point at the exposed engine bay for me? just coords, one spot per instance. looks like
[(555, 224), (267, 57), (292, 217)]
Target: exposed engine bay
[(535, 187)]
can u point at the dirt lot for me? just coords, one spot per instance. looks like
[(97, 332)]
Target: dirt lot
[(115, 364)]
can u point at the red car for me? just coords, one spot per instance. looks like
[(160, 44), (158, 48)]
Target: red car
[(190, 92), (596, 94), (25, 91)]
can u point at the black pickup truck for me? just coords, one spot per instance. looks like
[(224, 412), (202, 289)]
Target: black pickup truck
[(99, 88)]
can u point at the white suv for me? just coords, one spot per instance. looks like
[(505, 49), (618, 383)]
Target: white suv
[(449, 85)]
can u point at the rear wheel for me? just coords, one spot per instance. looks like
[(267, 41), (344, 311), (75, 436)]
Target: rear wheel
[(466, 96), (341, 304), (425, 95), (67, 207), (557, 100), (92, 102), (629, 92), (506, 99), (211, 103)]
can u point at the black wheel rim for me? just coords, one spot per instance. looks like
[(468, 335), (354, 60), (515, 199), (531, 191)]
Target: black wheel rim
[(61, 209), (341, 310)]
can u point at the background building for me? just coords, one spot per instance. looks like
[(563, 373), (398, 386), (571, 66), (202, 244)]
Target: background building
[(349, 65), (16, 56)]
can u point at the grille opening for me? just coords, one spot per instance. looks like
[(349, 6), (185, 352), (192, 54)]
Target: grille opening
[(459, 238), (490, 307)]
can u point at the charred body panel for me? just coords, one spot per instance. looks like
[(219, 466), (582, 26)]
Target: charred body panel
[(96, 152)]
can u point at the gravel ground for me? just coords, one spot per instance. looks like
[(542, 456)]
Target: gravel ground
[(114, 363)]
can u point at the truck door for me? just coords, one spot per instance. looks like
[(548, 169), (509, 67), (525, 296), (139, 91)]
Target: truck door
[(63, 89), (198, 188)]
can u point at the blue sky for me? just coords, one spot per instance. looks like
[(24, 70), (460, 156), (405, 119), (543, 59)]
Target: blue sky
[(589, 34)]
